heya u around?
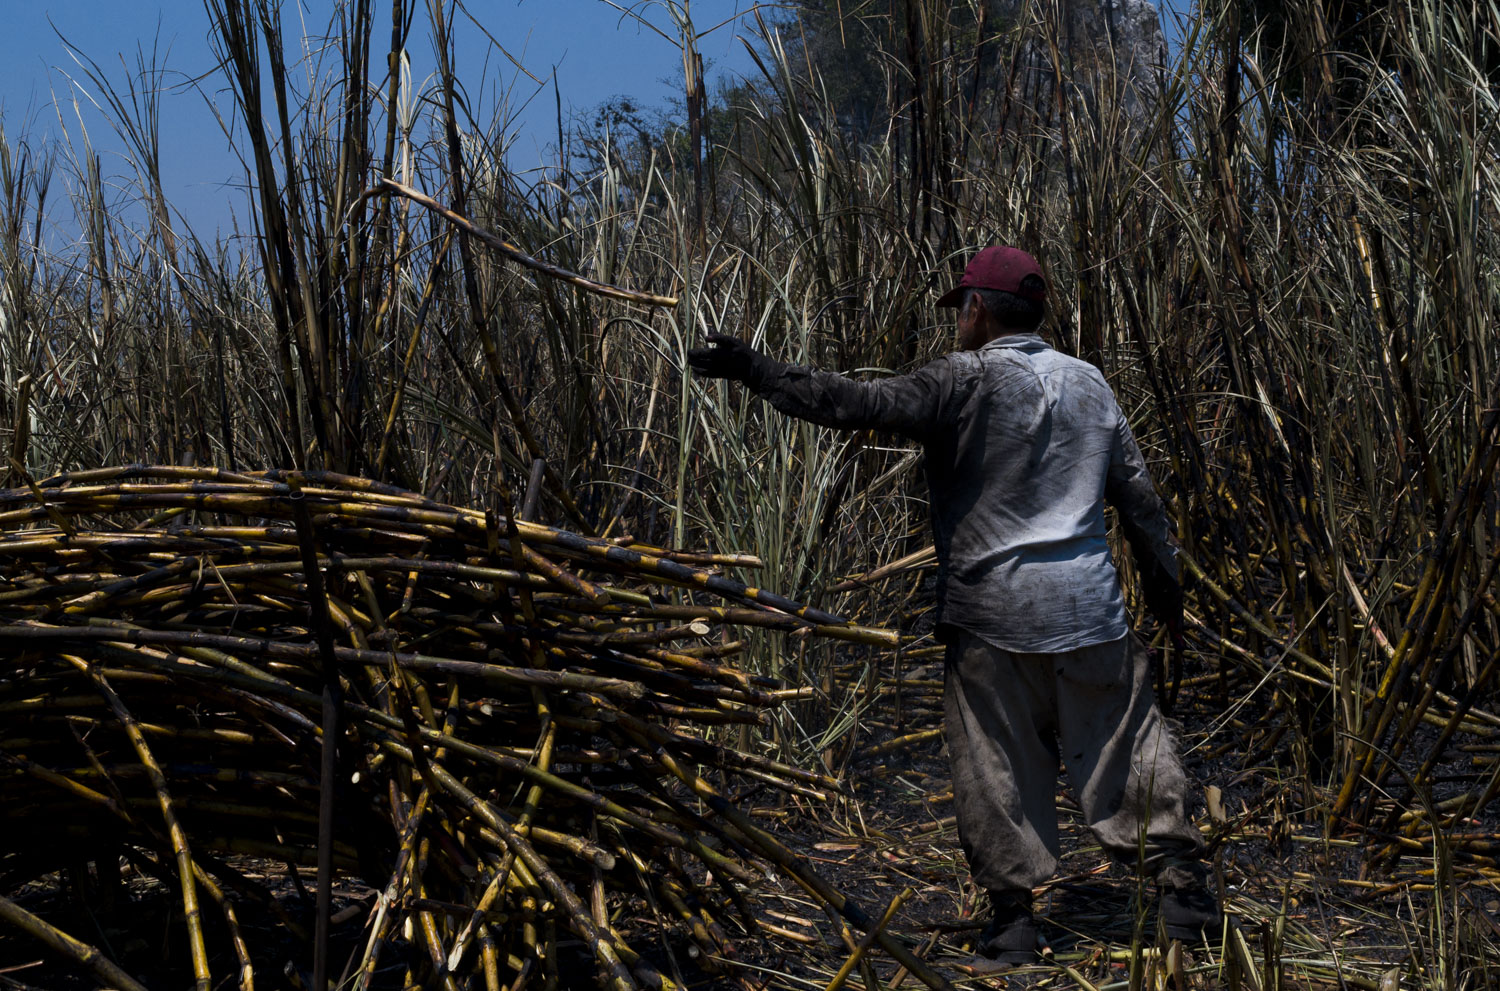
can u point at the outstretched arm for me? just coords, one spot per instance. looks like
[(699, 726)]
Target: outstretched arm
[(1130, 490), (912, 405)]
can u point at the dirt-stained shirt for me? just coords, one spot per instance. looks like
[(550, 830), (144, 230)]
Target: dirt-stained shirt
[(1023, 447)]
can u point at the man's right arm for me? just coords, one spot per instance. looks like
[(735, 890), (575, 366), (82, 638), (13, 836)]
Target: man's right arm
[(1143, 517), (912, 405)]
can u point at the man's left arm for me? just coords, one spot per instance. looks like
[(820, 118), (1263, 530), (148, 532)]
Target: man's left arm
[(911, 405)]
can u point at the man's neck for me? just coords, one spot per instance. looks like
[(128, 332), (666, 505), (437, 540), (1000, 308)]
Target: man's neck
[(997, 332)]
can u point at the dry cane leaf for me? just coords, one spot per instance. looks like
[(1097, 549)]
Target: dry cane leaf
[(1215, 799)]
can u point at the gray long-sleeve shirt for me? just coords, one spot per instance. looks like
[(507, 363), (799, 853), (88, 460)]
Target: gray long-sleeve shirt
[(1024, 445)]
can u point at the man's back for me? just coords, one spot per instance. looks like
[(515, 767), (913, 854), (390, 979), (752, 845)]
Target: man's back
[(1017, 486), (1024, 444)]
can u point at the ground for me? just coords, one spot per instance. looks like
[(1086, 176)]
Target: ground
[(1304, 915)]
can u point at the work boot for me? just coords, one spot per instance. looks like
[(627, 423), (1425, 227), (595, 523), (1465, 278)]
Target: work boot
[(1010, 938), (1188, 908)]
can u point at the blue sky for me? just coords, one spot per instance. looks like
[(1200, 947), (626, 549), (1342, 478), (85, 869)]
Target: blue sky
[(595, 53)]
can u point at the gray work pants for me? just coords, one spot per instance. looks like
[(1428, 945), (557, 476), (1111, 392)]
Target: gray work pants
[(1008, 718)]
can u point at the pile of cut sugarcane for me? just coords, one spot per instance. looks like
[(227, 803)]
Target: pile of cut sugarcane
[(521, 722)]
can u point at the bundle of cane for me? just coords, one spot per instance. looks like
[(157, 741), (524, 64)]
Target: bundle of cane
[(522, 719)]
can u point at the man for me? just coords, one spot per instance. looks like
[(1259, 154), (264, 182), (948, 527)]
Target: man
[(1024, 445)]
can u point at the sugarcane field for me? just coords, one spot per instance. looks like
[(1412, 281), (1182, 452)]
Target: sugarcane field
[(951, 494)]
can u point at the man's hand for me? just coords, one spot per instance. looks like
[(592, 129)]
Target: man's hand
[(727, 358), (1164, 599)]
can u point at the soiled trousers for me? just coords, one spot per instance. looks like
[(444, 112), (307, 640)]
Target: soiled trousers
[(1010, 716)]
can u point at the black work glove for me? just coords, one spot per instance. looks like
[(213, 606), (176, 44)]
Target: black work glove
[(728, 358), (1163, 597)]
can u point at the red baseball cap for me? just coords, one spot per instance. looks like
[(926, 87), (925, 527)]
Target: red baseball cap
[(996, 267)]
